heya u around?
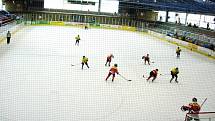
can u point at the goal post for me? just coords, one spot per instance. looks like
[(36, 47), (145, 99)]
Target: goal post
[(201, 116)]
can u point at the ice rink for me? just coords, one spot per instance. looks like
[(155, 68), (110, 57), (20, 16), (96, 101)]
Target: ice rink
[(38, 83)]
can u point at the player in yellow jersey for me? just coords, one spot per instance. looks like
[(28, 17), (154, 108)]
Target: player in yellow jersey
[(174, 73), (178, 52), (77, 40), (84, 61)]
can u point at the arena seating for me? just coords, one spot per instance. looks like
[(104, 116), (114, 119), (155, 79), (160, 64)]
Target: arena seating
[(5, 17), (174, 5)]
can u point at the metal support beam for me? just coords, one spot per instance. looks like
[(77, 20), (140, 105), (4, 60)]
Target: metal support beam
[(1, 6), (99, 9), (186, 19), (167, 16)]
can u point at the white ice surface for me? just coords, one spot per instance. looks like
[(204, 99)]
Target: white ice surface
[(37, 82)]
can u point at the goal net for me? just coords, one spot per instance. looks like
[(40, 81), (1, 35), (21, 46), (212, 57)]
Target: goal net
[(201, 116)]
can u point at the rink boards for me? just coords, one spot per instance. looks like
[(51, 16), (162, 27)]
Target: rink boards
[(204, 51)]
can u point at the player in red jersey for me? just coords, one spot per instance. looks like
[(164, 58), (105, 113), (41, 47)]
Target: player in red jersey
[(153, 74), (146, 59), (112, 71), (109, 58), (193, 109)]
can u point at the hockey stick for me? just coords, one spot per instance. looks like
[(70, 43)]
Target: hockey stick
[(203, 102), (75, 64), (144, 76), (164, 74), (125, 78), (160, 75)]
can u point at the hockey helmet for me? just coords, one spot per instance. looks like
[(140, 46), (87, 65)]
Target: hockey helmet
[(111, 55), (194, 99), (115, 65)]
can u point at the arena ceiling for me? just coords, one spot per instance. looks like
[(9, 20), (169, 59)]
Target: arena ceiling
[(189, 6)]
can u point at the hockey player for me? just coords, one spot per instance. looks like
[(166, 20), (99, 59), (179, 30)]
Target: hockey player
[(85, 27), (174, 73), (178, 51), (112, 71), (193, 109), (146, 58), (84, 61), (109, 58), (8, 37), (77, 40), (153, 74)]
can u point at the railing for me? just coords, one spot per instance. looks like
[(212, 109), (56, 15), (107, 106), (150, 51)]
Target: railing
[(75, 17), (13, 27), (199, 38), (201, 116)]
